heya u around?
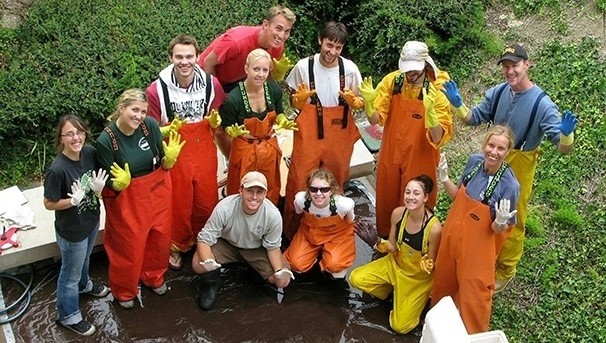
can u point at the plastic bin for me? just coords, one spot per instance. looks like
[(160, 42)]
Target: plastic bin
[(496, 336)]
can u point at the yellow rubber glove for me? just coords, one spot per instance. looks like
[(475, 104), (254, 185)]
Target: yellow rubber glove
[(426, 264), (369, 94), (236, 130), (281, 67), (429, 101), (214, 119), (284, 123), (121, 177), (300, 96), (351, 99), (172, 150), (174, 126)]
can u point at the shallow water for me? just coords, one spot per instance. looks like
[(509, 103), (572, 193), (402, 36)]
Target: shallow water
[(314, 308)]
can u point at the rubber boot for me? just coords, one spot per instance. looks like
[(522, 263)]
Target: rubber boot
[(210, 284)]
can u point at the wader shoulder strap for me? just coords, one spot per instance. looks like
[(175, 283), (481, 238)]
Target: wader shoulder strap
[(342, 101), (314, 98), (332, 205), (533, 114), (169, 111), (209, 87), (495, 103)]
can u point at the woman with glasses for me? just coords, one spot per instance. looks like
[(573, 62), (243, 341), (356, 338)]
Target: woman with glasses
[(72, 186), (411, 249), (137, 198), (326, 231)]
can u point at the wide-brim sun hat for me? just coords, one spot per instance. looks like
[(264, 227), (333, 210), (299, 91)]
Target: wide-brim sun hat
[(415, 56)]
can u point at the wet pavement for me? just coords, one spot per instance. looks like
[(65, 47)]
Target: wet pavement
[(314, 308)]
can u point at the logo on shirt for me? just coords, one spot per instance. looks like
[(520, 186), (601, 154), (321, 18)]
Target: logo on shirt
[(143, 144)]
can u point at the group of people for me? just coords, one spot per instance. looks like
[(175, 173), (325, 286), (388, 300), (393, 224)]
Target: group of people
[(155, 168)]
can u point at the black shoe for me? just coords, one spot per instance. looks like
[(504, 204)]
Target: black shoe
[(99, 290), (211, 282), (83, 328)]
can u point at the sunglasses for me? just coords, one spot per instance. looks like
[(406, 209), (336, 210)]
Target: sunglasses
[(321, 189)]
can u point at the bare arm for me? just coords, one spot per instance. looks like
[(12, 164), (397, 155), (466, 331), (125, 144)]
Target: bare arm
[(210, 62), (434, 240), (62, 204), (451, 189), (203, 253), (395, 217)]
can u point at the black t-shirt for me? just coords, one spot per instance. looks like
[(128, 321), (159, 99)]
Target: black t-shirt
[(77, 222)]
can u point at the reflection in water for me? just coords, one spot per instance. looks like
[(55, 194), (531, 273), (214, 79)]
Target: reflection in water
[(314, 308)]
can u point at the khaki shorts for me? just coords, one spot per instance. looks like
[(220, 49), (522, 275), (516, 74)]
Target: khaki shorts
[(257, 258)]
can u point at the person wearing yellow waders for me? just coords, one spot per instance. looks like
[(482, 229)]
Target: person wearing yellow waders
[(477, 224), (411, 250), (249, 114), (137, 198), (417, 123), (523, 106), (184, 99), (327, 130), (327, 227)]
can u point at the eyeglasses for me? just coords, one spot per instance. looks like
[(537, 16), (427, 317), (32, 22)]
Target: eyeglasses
[(72, 134), (321, 189)]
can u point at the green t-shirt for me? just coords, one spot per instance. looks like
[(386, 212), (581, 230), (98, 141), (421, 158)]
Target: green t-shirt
[(143, 153), (232, 110)]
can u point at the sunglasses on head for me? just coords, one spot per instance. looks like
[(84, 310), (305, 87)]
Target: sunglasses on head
[(321, 189)]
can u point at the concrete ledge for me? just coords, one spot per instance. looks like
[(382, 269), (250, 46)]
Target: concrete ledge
[(39, 243)]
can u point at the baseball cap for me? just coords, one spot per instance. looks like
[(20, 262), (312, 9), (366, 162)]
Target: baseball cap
[(414, 55), (513, 52), (254, 178)]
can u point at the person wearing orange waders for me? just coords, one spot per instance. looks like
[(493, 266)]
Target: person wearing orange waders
[(249, 114), (523, 106), (326, 229), (182, 95), (137, 198), (327, 131), (417, 123), (475, 229), (407, 268)]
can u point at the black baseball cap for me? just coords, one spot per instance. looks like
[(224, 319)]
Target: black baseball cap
[(513, 52)]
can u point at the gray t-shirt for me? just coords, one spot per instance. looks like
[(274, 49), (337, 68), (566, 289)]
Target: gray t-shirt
[(244, 231)]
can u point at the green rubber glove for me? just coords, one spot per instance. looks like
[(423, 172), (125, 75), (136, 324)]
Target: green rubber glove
[(214, 119), (284, 123), (121, 177), (236, 130), (429, 101), (281, 67), (369, 94), (172, 150)]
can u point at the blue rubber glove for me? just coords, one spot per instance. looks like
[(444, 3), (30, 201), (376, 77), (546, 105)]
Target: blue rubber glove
[(568, 123), (452, 93)]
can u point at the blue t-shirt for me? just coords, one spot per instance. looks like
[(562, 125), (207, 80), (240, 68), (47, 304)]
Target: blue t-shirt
[(507, 188), (514, 110)]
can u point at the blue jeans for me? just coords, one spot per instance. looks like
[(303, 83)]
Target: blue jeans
[(73, 277)]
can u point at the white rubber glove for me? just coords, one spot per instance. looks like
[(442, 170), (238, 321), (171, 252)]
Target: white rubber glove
[(98, 181), (77, 194), (210, 264), (284, 274), (443, 168), (502, 214)]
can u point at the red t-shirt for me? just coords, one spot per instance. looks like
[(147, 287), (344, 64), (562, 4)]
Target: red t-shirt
[(232, 48)]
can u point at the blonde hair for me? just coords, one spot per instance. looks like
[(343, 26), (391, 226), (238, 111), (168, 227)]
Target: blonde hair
[(322, 174), (500, 130), (258, 54), (126, 98), (281, 10)]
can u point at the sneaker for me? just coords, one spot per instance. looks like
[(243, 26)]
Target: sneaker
[(501, 284), (83, 328), (163, 289), (99, 290), (128, 304)]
